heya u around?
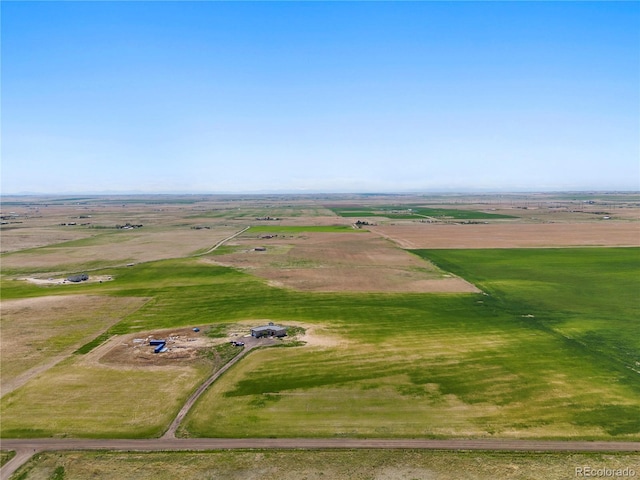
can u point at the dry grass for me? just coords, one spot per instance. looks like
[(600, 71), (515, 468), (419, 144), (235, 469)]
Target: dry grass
[(316, 465), (118, 248), (100, 399), (24, 238), (39, 332), (330, 262), (606, 233)]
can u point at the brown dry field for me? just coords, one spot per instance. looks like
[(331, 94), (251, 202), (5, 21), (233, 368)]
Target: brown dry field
[(313, 261), (14, 239), (122, 247), (609, 233), (327, 262), (166, 233), (39, 332), (128, 246)]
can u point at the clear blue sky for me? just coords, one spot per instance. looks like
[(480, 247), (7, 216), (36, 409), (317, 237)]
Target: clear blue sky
[(319, 96)]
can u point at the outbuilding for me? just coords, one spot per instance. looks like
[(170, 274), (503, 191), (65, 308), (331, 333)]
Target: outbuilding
[(270, 330)]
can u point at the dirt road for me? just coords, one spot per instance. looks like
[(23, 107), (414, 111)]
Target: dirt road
[(222, 242), (26, 448)]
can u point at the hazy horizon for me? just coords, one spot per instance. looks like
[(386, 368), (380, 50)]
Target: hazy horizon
[(320, 97)]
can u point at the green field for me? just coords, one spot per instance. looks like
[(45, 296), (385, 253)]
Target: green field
[(459, 365), (588, 297), (416, 212), (548, 352), (315, 465)]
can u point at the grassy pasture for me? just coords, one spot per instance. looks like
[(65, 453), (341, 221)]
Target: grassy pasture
[(454, 365), (315, 465), (401, 365), (78, 399), (590, 297), (36, 331), (113, 247), (416, 212)]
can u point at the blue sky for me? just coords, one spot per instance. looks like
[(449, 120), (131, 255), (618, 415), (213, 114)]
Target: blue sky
[(319, 96)]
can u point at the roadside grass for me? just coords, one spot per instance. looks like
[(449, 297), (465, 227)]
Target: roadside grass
[(406, 212), (318, 464), (220, 355), (6, 455)]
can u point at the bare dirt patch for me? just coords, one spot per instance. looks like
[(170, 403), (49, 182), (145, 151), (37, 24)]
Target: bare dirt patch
[(512, 236), (357, 262), (183, 346), (64, 281)]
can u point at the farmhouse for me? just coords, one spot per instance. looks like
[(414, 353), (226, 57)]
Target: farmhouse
[(270, 330), (78, 278)]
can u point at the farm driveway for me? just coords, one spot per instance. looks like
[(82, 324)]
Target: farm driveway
[(250, 344)]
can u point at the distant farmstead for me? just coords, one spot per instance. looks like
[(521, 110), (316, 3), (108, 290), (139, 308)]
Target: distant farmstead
[(78, 278), (270, 330)]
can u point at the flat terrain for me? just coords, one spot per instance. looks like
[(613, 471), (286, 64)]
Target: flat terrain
[(355, 261), (39, 332), (381, 461), (601, 234), (529, 359), (448, 320)]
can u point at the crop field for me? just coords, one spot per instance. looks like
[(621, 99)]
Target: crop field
[(397, 365), (289, 229), (407, 335), (458, 365), (322, 260), (294, 465), (79, 400), (528, 235), (417, 211)]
